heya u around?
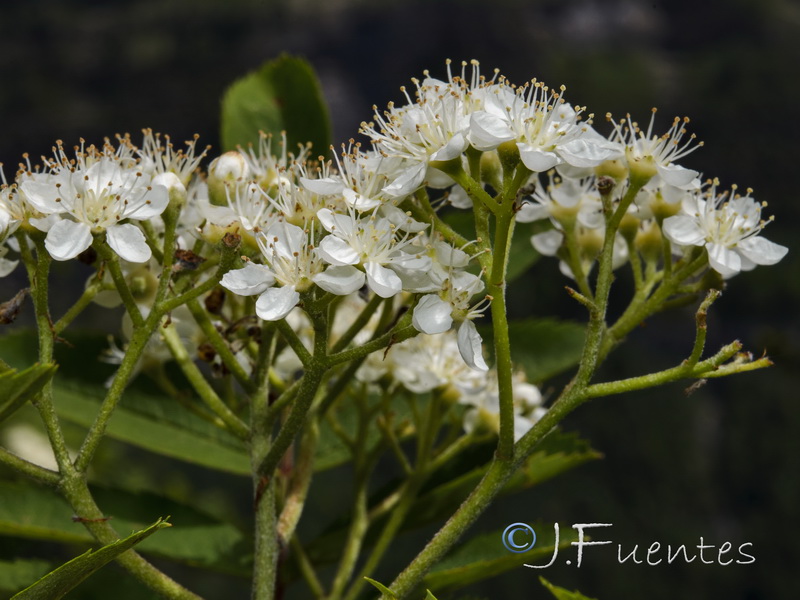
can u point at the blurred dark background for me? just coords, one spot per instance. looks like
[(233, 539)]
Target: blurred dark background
[(722, 463)]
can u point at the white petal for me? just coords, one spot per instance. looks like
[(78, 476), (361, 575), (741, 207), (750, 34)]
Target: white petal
[(537, 160), (382, 281), (324, 187), (6, 266), (458, 197), (470, 345), (151, 204), (450, 256), (42, 196), (359, 202), (336, 251), (487, 131), (128, 242), (253, 279), (452, 149), (285, 239), (676, 175), (331, 221), (762, 251), (548, 242), (432, 315), (277, 302), (531, 211), (341, 280), (683, 230), (586, 153), (401, 220), (66, 239), (723, 260), (521, 426), (408, 182), (437, 179)]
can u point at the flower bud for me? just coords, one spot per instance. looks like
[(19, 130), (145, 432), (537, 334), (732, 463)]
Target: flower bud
[(224, 170), (508, 152), (629, 227), (491, 170), (175, 187), (648, 242)]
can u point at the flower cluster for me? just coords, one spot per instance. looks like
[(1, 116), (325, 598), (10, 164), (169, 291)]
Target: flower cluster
[(316, 232)]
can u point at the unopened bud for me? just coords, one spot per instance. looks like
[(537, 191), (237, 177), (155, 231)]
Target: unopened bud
[(629, 227), (225, 170), (648, 242), (491, 170)]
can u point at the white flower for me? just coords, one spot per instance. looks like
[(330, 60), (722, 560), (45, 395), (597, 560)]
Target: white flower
[(93, 194), (546, 129), (372, 243), (727, 225), (644, 146), (435, 313), (292, 262)]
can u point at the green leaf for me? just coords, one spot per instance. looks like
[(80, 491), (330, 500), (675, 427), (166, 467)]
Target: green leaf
[(196, 539), (144, 418), (16, 388), (557, 453), (561, 593), (169, 429), (382, 589), (546, 347), (21, 572), (57, 583), (485, 556), (283, 95)]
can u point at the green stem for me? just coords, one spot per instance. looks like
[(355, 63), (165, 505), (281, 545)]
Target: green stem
[(300, 484), (112, 264), (80, 305), (201, 385), (306, 568), (80, 498), (38, 274), (358, 324), (34, 471), (125, 372), (496, 288), (220, 345)]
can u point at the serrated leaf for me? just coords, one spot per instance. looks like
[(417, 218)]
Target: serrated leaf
[(22, 572), (16, 388), (283, 95), (561, 593), (557, 453), (32, 512), (485, 556), (79, 405), (144, 418), (57, 583), (382, 588)]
